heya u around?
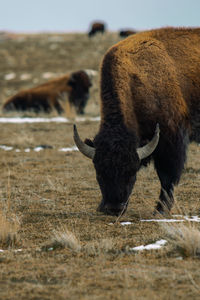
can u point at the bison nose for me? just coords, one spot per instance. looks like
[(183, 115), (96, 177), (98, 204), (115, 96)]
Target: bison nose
[(111, 209)]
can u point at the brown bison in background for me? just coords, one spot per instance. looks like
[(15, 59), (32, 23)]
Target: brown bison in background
[(45, 97), (147, 79), (126, 33), (96, 27)]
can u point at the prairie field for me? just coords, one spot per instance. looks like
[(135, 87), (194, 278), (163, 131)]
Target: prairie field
[(53, 243)]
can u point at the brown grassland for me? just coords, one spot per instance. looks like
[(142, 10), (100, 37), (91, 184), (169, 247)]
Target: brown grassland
[(48, 199)]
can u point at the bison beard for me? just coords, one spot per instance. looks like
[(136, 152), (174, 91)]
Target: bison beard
[(151, 77)]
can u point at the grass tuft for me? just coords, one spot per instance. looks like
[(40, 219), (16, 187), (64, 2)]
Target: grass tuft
[(9, 231), (184, 239), (63, 238), (96, 248)]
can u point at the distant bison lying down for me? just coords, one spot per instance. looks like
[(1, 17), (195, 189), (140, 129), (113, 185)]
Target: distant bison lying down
[(149, 78), (96, 27), (45, 97)]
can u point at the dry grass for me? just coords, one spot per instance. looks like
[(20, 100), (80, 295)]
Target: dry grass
[(63, 238), (185, 239), (55, 195), (103, 246), (9, 227)]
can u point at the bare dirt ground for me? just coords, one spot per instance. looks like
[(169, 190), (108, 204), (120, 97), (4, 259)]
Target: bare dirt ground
[(61, 247)]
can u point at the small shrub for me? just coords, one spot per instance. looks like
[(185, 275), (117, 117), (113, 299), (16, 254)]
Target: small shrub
[(63, 238), (184, 239), (99, 247)]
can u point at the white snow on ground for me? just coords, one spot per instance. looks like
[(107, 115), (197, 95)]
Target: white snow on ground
[(6, 148), (15, 250), (19, 120), (33, 120), (9, 76), (37, 149), (181, 219), (156, 245), (68, 149), (126, 223), (163, 220)]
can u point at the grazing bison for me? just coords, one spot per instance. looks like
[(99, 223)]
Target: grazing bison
[(126, 33), (149, 78), (45, 97), (96, 27)]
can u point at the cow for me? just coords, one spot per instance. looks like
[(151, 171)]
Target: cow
[(125, 33), (96, 27), (150, 110), (45, 97)]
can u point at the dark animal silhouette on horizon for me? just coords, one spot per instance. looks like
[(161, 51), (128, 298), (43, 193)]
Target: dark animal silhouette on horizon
[(126, 32), (96, 28)]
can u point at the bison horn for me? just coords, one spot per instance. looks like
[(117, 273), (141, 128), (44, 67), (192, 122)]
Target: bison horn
[(83, 148), (146, 150)]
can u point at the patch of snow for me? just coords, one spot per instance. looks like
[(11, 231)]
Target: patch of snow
[(126, 223), (19, 120), (192, 218), (156, 245), (6, 148), (69, 149), (1, 250), (9, 76), (33, 120), (183, 219), (82, 119), (50, 249), (163, 220), (37, 149)]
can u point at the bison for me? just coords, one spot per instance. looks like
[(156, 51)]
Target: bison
[(45, 97), (149, 78), (96, 27), (125, 33)]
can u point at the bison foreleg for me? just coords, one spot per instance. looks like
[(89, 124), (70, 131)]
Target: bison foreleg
[(166, 201)]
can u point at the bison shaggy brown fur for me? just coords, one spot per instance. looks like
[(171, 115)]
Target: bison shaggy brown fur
[(45, 97), (149, 78)]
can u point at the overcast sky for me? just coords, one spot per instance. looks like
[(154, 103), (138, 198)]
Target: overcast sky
[(76, 15)]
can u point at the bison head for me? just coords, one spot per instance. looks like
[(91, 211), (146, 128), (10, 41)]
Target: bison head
[(80, 83), (116, 161)]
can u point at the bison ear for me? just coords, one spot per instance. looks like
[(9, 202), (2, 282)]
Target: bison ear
[(89, 142)]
